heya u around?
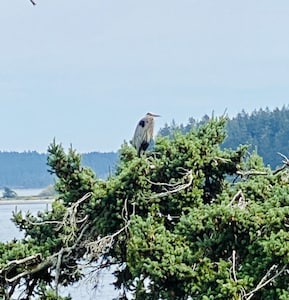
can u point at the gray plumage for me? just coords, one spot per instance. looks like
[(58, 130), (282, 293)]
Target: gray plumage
[(143, 134)]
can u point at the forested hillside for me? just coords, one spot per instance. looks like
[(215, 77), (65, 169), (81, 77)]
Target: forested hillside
[(263, 130), (26, 169), (30, 170)]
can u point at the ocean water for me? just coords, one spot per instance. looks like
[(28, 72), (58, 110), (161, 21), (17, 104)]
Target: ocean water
[(82, 290)]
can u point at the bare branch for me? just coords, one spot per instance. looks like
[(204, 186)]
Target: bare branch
[(234, 265), (170, 185), (70, 221), (30, 265), (73, 229), (285, 162), (35, 263), (246, 174), (240, 198), (264, 281), (221, 159), (96, 248), (44, 223), (177, 188), (58, 270), (233, 272)]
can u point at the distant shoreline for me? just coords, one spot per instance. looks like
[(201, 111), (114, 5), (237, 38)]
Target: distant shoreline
[(23, 201)]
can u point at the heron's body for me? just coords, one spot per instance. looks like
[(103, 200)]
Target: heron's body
[(144, 132)]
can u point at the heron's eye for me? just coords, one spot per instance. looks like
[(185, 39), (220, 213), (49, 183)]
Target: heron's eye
[(141, 123)]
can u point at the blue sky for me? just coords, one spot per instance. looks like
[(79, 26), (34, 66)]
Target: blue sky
[(85, 72)]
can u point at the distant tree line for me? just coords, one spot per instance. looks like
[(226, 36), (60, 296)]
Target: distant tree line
[(29, 169), (264, 131), (25, 169)]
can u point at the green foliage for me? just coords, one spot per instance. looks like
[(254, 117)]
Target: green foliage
[(189, 220), (74, 180), (263, 130), (50, 294)]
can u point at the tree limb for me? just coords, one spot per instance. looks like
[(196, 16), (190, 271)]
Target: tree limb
[(25, 265), (285, 162), (177, 188), (234, 265), (246, 174), (70, 220), (58, 269), (264, 281), (95, 249), (240, 198), (74, 225)]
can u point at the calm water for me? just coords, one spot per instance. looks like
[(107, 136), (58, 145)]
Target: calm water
[(82, 290)]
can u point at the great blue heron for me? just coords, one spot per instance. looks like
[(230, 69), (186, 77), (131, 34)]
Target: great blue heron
[(144, 133)]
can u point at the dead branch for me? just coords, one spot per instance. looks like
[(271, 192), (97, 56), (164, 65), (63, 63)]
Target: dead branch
[(70, 221), (234, 265), (177, 187), (285, 162), (24, 263), (170, 185), (57, 269), (17, 269), (35, 263), (264, 281), (95, 249), (240, 199), (30, 265), (125, 213), (69, 218), (44, 223), (247, 174), (233, 273), (222, 160), (30, 260), (74, 226)]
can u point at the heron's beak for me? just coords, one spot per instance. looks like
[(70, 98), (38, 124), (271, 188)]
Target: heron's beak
[(155, 115)]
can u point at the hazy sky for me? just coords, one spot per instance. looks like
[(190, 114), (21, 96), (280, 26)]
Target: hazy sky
[(85, 72)]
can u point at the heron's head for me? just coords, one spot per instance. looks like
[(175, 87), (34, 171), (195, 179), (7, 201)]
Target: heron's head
[(152, 115)]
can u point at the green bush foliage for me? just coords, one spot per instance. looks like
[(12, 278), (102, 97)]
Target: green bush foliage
[(189, 220)]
